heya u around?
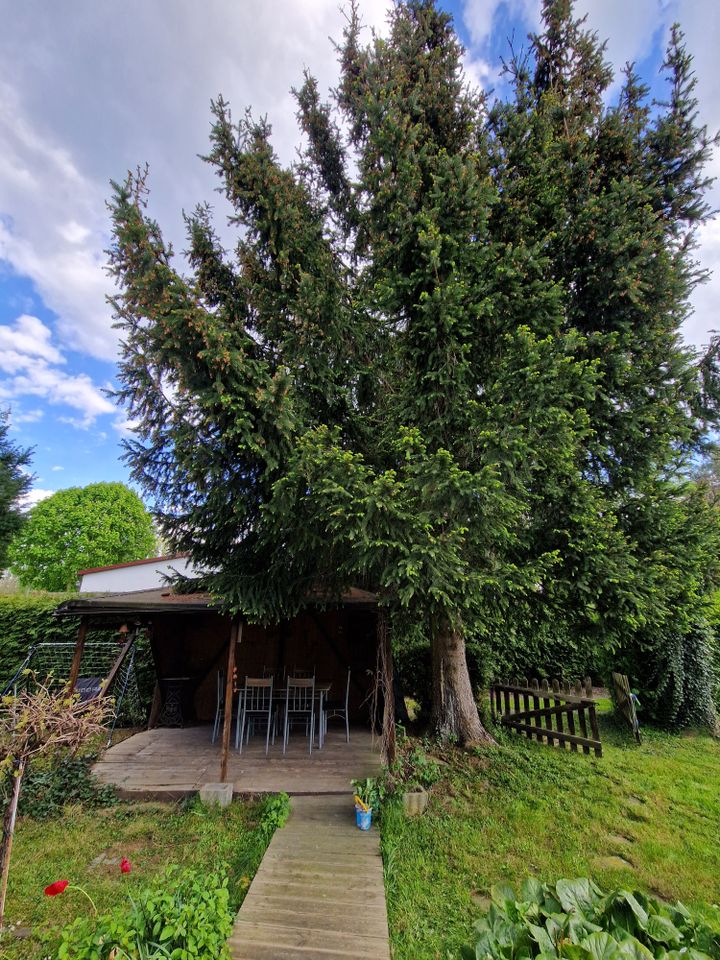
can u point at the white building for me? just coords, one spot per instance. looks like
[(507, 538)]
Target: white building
[(135, 575)]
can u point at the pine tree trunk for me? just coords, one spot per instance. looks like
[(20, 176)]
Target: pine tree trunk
[(454, 711)]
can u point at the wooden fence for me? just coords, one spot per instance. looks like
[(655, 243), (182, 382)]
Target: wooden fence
[(625, 703), (560, 714)]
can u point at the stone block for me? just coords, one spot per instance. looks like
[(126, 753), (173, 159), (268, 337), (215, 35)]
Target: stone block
[(217, 793)]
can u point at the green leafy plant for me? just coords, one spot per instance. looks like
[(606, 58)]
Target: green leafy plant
[(371, 790), (276, 810), (50, 787), (577, 920), (412, 769), (185, 914)]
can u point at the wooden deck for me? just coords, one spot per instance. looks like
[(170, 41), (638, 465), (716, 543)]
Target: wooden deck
[(319, 892), (167, 763)]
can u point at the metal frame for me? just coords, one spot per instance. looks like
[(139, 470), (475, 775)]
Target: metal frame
[(342, 713), (257, 704), (299, 703)]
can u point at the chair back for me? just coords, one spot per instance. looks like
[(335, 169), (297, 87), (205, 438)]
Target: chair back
[(300, 694), (303, 673), (258, 694)]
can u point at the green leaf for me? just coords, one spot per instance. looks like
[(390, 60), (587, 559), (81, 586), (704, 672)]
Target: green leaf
[(601, 946), (663, 930)]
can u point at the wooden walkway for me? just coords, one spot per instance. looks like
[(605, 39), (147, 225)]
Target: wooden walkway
[(169, 763), (319, 892)]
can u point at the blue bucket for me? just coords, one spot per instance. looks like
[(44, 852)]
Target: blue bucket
[(363, 818)]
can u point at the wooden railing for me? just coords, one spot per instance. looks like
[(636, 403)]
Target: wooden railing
[(560, 714)]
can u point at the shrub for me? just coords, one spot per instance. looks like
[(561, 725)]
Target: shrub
[(26, 619), (185, 914), (48, 788), (576, 920)]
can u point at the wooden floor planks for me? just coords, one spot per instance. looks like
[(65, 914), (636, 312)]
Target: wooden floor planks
[(173, 762), (319, 892)]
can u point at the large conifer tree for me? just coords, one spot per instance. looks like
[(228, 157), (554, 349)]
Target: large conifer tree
[(443, 359)]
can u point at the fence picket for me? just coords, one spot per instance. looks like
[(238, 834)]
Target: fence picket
[(553, 720)]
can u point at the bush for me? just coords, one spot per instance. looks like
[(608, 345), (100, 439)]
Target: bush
[(48, 788), (26, 619), (183, 915), (576, 920)]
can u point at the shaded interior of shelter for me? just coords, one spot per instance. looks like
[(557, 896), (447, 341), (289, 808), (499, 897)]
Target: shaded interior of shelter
[(325, 644), (190, 642)]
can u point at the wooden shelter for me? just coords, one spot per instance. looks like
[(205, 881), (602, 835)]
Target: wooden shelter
[(194, 644)]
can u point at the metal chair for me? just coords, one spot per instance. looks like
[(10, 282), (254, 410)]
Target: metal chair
[(303, 673), (299, 705), (219, 704), (339, 710), (256, 706)]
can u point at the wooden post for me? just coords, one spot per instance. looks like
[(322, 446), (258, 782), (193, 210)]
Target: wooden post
[(235, 637), (77, 656), (7, 837), (110, 678), (386, 659)]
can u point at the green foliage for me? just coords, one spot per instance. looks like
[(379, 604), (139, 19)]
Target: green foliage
[(26, 620), (48, 787), (15, 480), (183, 915), (274, 813), (637, 818), (371, 790), (77, 528), (454, 376), (575, 919)]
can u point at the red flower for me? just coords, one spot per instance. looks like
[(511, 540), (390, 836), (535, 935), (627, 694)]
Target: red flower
[(125, 865), (55, 888)]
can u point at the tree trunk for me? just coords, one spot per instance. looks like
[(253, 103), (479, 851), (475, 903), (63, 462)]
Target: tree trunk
[(454, 711), (7, 837)]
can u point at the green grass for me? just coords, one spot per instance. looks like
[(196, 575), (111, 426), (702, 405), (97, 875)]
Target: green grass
[(150, 835), (521, 808)]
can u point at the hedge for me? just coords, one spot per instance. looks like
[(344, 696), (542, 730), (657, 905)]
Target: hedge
[(26, 619)]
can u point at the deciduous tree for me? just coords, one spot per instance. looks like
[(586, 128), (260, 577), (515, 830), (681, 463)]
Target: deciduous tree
[(77, 528)]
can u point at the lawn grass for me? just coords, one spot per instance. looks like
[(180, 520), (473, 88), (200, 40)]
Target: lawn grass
[(522, 808), (150, 835)]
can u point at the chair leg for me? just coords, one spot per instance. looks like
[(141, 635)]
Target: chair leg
[(347, 727), (239, 740), (312, 726), (267, 735), (285, 732)]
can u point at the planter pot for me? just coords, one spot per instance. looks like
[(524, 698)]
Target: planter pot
[(363, 818), (415, 802)]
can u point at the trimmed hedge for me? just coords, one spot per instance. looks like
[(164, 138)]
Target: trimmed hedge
[(26, 619)]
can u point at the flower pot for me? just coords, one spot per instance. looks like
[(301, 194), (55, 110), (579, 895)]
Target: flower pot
[(415, 802), (363, 818)]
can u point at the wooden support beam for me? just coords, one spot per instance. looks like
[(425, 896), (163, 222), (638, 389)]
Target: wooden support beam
[(110, 678), (77, 655), (235, 638)]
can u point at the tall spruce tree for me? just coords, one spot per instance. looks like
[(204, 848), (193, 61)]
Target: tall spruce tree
[(443, 358), (15, 481)]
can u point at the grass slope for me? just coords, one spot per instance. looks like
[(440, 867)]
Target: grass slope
[(150, 835), (521, 808)]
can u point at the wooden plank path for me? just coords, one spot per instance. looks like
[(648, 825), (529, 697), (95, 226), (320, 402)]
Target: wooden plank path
[(319, 892)]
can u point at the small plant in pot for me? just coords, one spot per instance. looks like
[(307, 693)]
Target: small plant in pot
[(368, 794), (413, 773)]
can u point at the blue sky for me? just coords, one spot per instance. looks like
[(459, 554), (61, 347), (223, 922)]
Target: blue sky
[(86, 94)]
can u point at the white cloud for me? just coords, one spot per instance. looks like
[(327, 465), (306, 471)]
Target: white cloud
[(34, 369), (56, 468), (86, 94), (34, 496), (30, 416)]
